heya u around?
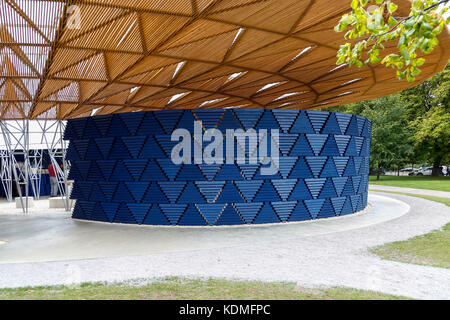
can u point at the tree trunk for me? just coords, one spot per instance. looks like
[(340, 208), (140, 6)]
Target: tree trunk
[(378, 172), (436, 170)]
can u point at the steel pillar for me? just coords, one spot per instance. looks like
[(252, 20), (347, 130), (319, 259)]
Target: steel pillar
[(6, 173), (18, 145), (52, 137)]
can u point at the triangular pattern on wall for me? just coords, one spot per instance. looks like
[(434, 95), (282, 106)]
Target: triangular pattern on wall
[(210, 189), (211, 211), (321, 170), (248, 189), (192, 217), (139, 211), (248, 211)]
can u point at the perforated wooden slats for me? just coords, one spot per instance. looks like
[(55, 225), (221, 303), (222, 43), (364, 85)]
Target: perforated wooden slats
[(181, 54)]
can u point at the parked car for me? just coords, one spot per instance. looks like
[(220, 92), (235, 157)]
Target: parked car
[(424, 171)]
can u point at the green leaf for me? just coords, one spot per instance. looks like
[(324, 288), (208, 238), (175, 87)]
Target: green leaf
[(392, 7), (420, 62), (415, 71), (391, 21), (399, 65), (404, 52), (410, 78), (401, 41), (416, 31), (410, 23), (400, 74), (374, 59), (426, 27)]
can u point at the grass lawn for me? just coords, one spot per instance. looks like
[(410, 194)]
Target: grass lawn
[(423, 182), (430, 249), (196, 289)]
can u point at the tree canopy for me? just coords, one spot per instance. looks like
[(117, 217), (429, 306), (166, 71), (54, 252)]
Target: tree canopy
[(373, 23)]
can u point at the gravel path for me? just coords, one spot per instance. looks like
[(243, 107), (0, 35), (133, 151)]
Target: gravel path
[(423, 192), (336, 259)]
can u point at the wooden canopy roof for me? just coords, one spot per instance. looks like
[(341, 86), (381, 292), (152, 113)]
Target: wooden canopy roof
[(131, 55)]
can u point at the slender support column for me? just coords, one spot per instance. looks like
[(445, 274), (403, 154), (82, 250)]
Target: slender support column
[(18, 144), (64, 172), (53, 132), (16, 136), (6, 174), (26, 153), (35, 171)]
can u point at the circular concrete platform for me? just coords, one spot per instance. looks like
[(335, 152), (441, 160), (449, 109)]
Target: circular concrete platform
[(335, 256), (40, 206), (53, 236)]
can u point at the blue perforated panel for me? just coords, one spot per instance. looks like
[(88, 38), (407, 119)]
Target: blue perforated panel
[(123, 171)]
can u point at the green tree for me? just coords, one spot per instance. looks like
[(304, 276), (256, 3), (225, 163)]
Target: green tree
[(390, 134), (428, 94), (427, 108), (390, 131), (372, 23)]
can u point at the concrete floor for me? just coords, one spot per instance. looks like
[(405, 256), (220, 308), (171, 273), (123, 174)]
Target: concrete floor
[(322, 253), (43, 236)]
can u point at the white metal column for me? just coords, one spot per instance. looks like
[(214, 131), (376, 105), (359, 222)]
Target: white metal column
[(18, 145), (6, 173), (52, 136)]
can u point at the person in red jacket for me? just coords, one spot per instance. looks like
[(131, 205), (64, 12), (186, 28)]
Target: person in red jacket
[(53, 180)]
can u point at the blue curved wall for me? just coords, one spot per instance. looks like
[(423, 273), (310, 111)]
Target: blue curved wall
[(124, 174)]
